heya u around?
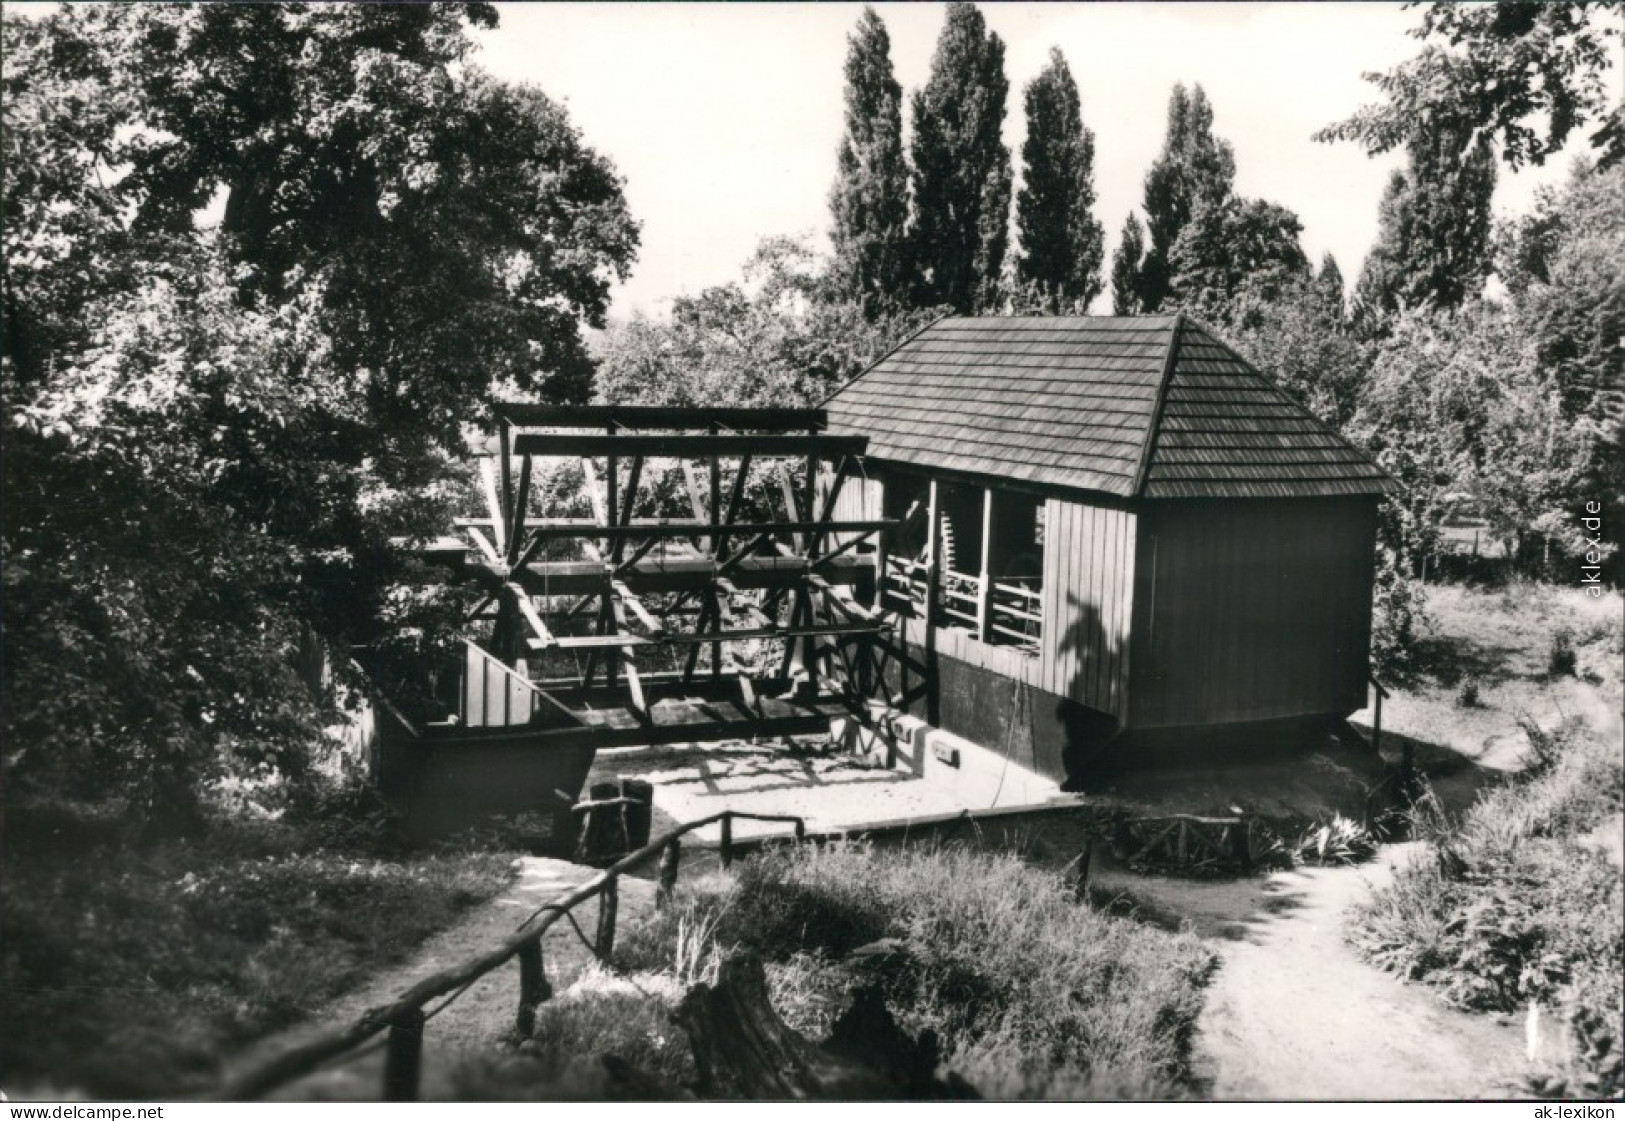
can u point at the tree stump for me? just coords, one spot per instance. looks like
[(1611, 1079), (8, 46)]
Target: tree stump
[(742, 1049)]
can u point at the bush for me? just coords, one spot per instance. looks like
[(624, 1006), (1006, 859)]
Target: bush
[(1338, 841), (1468, 696), (188, 947), (1560, 660), (1398, 618), (1031, 994), (1506, 907)]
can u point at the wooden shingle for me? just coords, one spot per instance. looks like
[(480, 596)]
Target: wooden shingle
[(1144, 406)]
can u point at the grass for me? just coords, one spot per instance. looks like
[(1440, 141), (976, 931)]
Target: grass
[(1511, 906), (1030, 994), (1497, 653), (127, 971)]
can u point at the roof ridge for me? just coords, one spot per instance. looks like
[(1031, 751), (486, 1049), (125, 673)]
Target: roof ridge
[(1143, 471)]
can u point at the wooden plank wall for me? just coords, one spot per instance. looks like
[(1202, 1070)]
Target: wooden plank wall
[(491, 698), (1089, 564), (860, 500), (1262, 610)]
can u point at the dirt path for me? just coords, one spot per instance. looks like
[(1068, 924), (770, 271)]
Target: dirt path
[(1293, 1014), (482, 1019)]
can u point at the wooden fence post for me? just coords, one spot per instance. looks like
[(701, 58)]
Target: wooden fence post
[(403, 1057), (1080, 872), (801, 829), (727, 846), (667, 884), (607, 905), (533, 987)]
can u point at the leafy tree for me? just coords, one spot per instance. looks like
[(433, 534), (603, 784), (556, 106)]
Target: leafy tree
[(1329, 285), (1195, 170), (1434, 228), (869, 202), (1565, 267), (1293, 333), (961, 167), (1230, 243), (1523, 74), (1458, 409), (212, 434), (1128, 268), (1062, 242), (777, 337)]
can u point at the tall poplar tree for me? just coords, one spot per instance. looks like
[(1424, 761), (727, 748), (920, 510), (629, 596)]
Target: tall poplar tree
[(1195, 169), (869, 201), (1127, 263), (1062, 244), (1434, 226), (961, 167)]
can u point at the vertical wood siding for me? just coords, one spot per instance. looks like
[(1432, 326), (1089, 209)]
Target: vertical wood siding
[(492, 698), (1251, 609), (1089, 563)]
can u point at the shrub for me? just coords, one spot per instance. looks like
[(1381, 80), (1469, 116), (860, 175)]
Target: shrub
[(1031, 994), (1398, 617), (1468, 696), (193, 945), (1338, 841), (1505, 907), (1561, 660)]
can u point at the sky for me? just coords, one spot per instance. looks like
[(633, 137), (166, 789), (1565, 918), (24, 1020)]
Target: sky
[(725, 118)]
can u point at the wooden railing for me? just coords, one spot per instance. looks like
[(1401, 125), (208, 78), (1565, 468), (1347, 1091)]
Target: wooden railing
[(404, 1018), (1007, 612), (1016, 614)]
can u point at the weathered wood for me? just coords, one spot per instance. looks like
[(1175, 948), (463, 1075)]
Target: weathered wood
[(690, 446), (660, 416), (311, 1052), (1080, 871), (725, 848), (670, 859), (743, 1049), (403, 1056), (671, 529), (533, 986), (608, 905)]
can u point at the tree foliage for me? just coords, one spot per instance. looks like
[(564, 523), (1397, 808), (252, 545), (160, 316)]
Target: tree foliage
[(213, 432), (1195, 171), (1522, 74), (961, 167), (780, 337), (1434, 228), (1128, 268), (1231, 243), (869, 202), (1062, 244)]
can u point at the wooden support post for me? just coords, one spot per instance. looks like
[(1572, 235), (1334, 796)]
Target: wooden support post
[(726, 849), (533, 986), (505, 462), (984, 594), (608, 904), (1080, 872), (403, 1057), (801, 830), (1376, 727), (666, 886)]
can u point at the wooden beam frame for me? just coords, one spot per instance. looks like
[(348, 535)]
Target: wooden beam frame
[(685, 446)]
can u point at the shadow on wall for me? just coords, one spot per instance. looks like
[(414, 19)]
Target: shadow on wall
[(1087, 729)]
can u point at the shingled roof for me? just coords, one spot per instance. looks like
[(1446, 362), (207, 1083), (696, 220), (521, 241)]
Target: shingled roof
[(1143, 406)]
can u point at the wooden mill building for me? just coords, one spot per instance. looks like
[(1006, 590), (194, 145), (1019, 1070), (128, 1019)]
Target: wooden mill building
[(1115, 530)]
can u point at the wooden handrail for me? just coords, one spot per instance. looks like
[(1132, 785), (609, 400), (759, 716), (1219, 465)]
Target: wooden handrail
[(404, 1015)]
